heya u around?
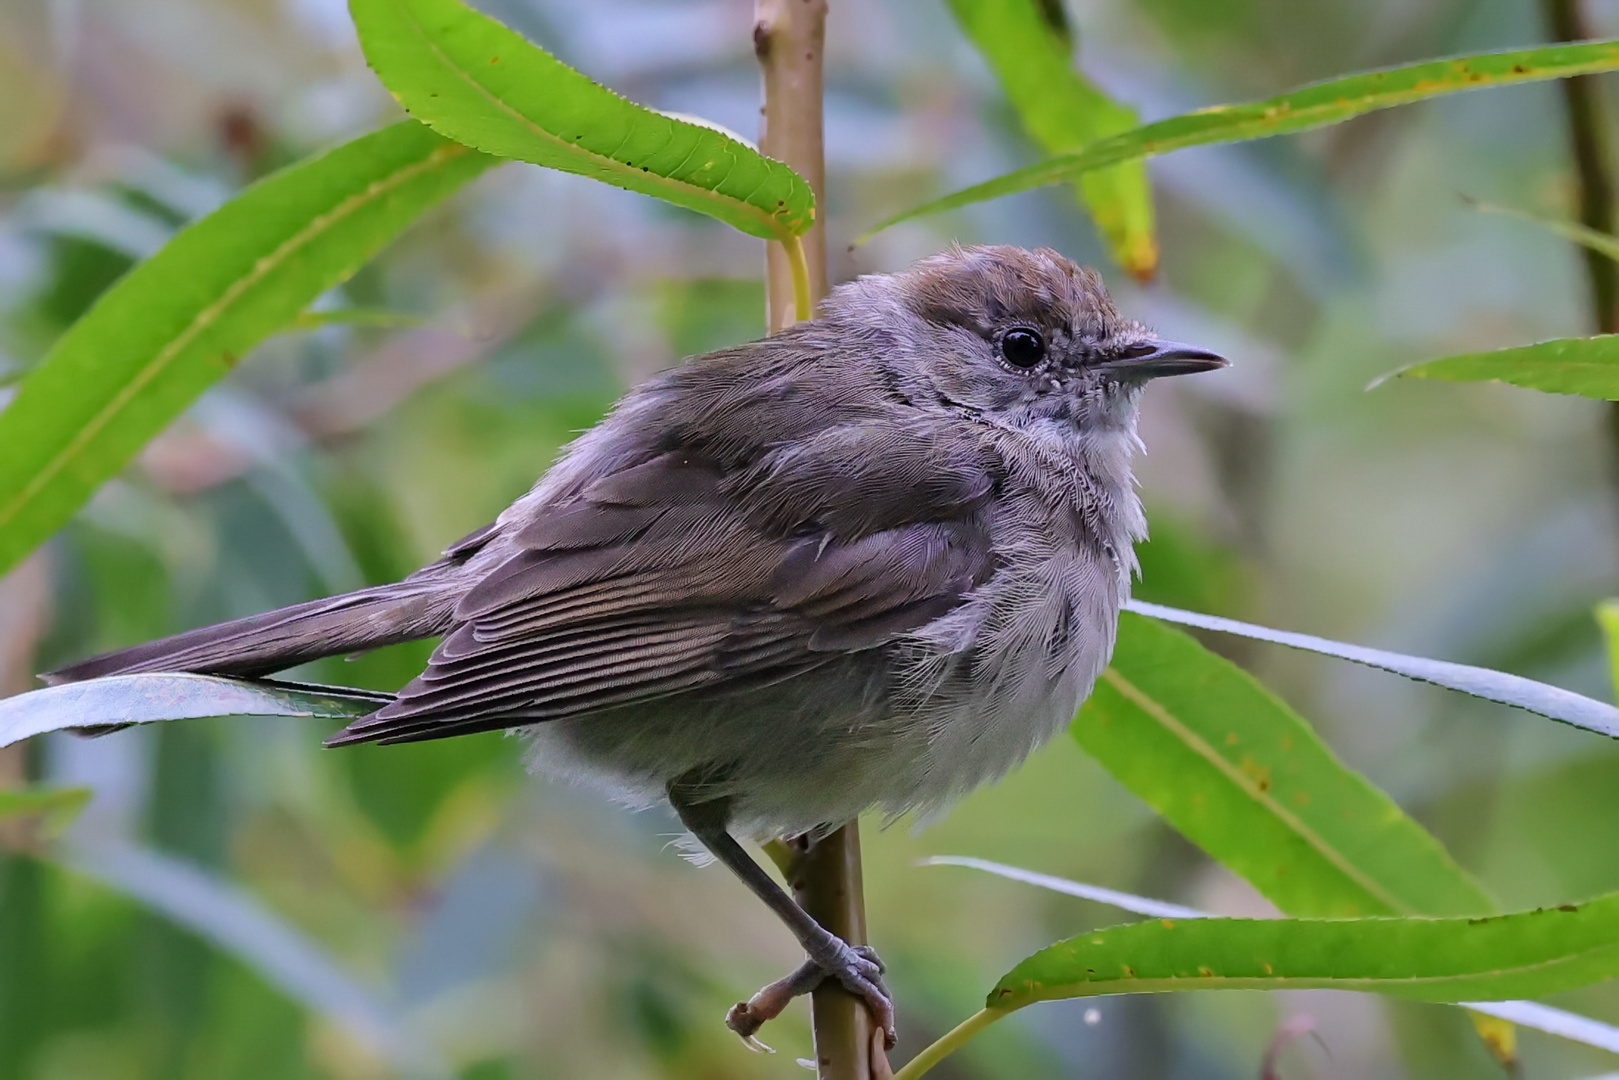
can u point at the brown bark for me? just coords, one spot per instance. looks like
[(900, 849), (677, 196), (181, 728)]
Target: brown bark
[(788, 37)]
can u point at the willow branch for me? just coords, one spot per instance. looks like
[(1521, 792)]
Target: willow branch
[(1588, 146), (788, 37)]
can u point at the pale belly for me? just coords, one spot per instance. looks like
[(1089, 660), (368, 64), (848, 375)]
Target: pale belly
[(908, 728)]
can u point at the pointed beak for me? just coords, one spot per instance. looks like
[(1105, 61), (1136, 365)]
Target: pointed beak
[(1154, 359)]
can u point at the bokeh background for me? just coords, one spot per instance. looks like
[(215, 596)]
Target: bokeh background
[(237, 902)]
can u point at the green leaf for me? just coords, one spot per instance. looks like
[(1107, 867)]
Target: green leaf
[(182, 319), (58, 805), (1312, 106), (481, 83), (1063, 111), (1600, 242), (1245, 778), (1545, 1018), (1587, 366), (1552, 702), (1607, 616), (1530, 954), (120, 700)]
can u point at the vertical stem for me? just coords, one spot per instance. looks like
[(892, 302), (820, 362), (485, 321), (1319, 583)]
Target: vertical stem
[(1588, 146), (788, 37)]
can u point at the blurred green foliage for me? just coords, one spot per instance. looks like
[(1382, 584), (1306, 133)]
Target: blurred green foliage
[(528, 930)]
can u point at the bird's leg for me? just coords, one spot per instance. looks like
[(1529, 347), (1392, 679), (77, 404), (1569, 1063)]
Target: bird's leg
[(829, 956)]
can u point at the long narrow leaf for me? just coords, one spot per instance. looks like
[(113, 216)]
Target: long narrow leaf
[(179, 321), (118, 700), (1245, 778), (1552, 1021), (1530, 954), (1552, 702), (1454, 960), (1316, 105), (480, 83), (1064, 111), (1600, 242), (1587, 366), (1227, 763), (1139, 905)]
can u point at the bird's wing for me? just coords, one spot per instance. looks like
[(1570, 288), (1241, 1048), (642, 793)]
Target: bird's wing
[(677, 575)]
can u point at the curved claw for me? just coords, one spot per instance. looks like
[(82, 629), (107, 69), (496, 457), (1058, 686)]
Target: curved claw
[(856, 967), (861, 973)]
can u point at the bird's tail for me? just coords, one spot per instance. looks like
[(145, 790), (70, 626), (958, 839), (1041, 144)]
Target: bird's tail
[(420, 606)]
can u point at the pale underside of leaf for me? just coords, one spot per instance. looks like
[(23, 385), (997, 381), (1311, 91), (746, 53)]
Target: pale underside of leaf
[(149, 698), (1552, 702)]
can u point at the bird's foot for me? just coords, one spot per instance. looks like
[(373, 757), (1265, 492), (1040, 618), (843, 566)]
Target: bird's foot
[(855, 966)]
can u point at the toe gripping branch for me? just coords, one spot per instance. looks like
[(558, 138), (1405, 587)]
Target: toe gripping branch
[(857, 968)]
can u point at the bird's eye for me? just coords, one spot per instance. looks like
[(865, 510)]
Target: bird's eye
[(1023, 348)]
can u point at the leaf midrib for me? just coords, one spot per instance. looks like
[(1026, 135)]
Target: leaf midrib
[(1275, 112), (204, 318), (1038, 991), (1244, 783), (573, 149)]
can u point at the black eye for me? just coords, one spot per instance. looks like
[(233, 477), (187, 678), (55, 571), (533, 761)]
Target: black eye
[(1023, 348)]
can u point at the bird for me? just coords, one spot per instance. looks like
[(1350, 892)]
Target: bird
[(865, 564)]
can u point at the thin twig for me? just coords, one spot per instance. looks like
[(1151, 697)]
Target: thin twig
[(788, 37), (1588, 146)]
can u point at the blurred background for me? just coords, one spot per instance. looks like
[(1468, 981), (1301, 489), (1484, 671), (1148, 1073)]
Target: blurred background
[(237, 902)]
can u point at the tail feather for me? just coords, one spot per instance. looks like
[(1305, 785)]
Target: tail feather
[(263, 644)]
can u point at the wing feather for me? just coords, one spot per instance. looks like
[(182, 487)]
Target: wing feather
[(677, 574)]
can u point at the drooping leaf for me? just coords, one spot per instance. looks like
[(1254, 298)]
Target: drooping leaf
[(1587, 366), (1529, 954), (182, 319), (1600, 242), (1315, 105), (1553, 1021), (478, 82), (118, 700), (1064, 111), (1453, 960), (1229, 764), (1551, 702), (1245, 778)]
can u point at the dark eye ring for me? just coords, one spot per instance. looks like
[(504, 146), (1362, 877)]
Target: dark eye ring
[(1022, 347)]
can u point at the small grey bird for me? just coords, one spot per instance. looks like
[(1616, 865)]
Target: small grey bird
[(866, 564)]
